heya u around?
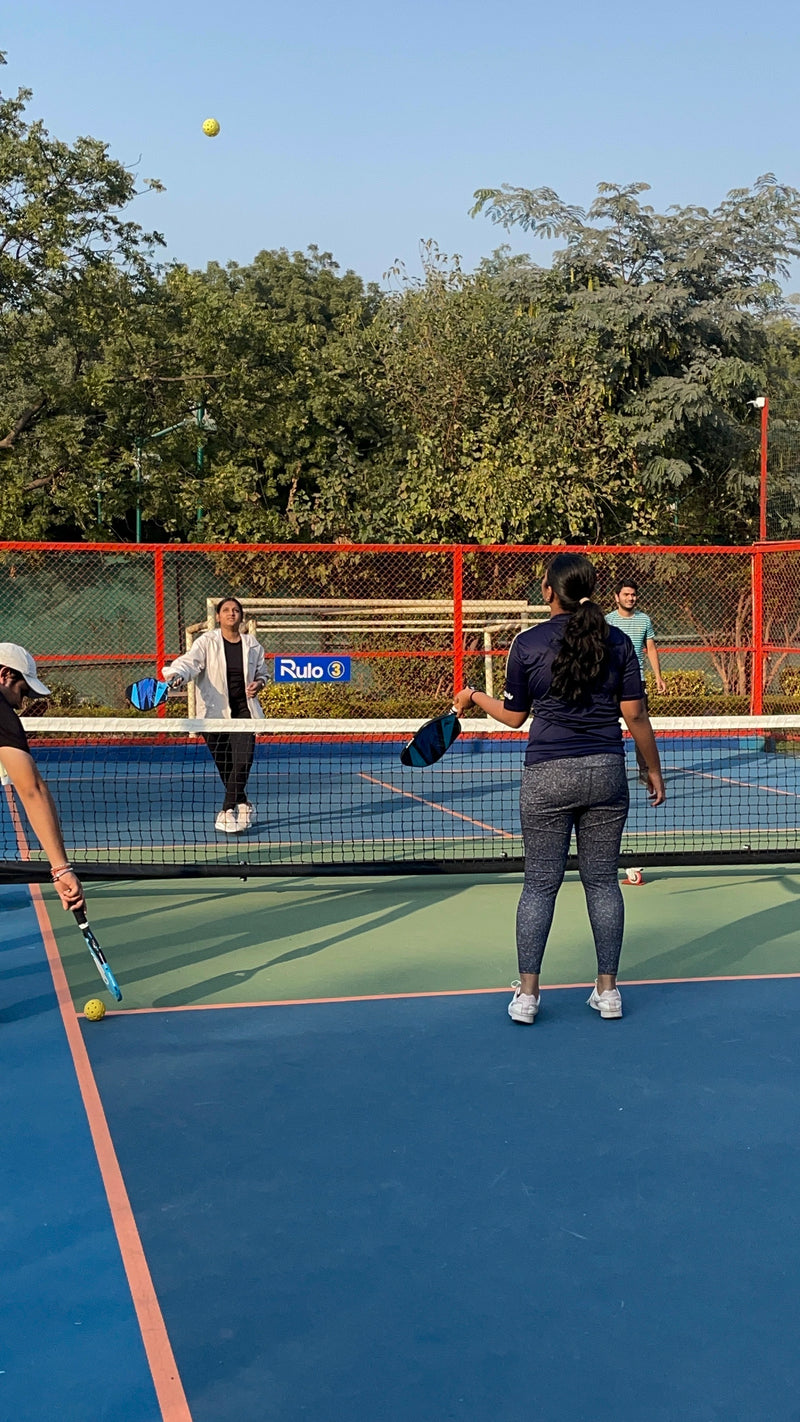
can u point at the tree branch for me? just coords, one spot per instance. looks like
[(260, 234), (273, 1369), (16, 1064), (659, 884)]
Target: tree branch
[(45, 479), (25, 420)]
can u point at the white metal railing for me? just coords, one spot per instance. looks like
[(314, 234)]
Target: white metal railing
[(485, 616)]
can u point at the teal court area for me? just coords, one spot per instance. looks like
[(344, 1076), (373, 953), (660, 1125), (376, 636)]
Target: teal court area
[(310, 1168)]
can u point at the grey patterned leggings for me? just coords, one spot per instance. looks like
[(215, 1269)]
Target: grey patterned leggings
[(590, 793)]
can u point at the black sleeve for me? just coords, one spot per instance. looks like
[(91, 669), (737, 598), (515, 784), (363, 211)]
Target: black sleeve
[(631, 686), (517, 695), (12, 732)]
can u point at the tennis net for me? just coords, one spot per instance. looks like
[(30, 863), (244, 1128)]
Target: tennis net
[(140, 798)]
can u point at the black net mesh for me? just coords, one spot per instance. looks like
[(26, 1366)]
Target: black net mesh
[(139, 798)]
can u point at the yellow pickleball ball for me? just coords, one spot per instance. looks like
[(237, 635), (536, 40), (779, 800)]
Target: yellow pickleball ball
[(94, 1010), (210, 128)]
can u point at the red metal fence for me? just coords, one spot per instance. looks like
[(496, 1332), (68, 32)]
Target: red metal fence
[(414, 619)]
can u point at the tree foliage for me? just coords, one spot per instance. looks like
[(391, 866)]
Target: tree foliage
[(503, 419), (680, 306), (603, 398), (71, 268)]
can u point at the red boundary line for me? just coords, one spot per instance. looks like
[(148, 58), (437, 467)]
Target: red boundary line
[(439, 992), (160, 1357)]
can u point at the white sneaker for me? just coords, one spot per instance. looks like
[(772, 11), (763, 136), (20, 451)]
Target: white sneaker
[(608, 1003), (226, 822), (244, 815), (523, 1006)]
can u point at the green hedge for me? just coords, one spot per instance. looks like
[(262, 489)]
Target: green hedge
[(312, 704), (345, 703)]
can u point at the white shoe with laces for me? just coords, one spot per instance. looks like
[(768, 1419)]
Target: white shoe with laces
[(226, 822), (244, 815), (607, 1003), (523, 1006)]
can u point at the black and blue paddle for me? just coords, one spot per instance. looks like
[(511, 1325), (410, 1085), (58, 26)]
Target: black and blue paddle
[(98, 956), (147, 694), (431, 741)]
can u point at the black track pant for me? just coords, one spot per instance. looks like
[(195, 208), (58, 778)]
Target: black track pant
[(233, 757)]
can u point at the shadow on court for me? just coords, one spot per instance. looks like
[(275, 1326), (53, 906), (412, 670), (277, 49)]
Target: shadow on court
[(382, 933), (731, 948), (272, 940), (413, 1208)]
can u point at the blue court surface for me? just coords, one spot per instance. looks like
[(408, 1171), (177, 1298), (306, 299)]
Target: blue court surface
[(347, 799), (70, 1345), (405, 1209), (410, 1207)]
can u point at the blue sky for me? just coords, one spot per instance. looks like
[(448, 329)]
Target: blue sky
[(365, 127)]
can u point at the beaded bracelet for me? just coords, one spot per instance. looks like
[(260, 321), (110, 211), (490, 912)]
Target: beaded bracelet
[(56, 874)]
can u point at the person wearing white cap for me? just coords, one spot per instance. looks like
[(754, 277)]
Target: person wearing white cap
[(18, 680)]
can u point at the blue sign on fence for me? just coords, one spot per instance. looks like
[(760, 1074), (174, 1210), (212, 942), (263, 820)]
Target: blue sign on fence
[(305, 668)]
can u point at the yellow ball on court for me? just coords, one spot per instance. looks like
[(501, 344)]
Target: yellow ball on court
[(94, 1010), (211, 128)]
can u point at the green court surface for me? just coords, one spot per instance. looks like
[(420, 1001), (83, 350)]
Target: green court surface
[(218, 941)]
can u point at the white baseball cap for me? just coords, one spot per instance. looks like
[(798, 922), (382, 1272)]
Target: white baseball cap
[(16, 657)]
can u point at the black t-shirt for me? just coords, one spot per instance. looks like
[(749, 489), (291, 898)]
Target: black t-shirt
[(561, 729), (237, 687), (12, 731)]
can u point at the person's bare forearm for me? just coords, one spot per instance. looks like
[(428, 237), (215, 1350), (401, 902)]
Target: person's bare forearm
[(495, 708), (652, 657), (642, 732), (41, 811)]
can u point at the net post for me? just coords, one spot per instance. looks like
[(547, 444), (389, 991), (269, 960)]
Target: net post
[(762, 511), (458, 618), (158, 595), (757, 676)]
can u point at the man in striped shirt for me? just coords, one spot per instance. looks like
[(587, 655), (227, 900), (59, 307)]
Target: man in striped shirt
[(638, 627)]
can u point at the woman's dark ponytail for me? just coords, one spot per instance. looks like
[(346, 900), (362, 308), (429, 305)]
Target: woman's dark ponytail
[(583, 654)]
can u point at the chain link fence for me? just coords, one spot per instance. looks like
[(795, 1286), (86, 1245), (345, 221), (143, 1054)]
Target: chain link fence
[(414, 620)]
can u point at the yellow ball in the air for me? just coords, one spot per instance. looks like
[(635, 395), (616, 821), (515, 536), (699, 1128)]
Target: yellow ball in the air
[(94, 1010), (211, 128)]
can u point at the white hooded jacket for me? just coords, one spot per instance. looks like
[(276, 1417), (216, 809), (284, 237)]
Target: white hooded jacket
[(205, 664)]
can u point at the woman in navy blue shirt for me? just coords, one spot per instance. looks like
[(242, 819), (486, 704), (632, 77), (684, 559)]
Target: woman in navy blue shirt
[(578, 676)]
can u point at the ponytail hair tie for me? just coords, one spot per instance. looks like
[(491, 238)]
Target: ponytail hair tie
[(583, 599)]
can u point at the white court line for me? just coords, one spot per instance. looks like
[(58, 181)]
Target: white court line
[(433, 804), (729, 780), (415, 842)]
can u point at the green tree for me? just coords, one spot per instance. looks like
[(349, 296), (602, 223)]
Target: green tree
[(69, 261), (602, 399), (268, 350), (677, 307), (68, 469), (296, 424), (502, 415), (60, 208)]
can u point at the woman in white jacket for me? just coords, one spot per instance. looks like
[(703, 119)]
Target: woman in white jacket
[(230, 669)]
